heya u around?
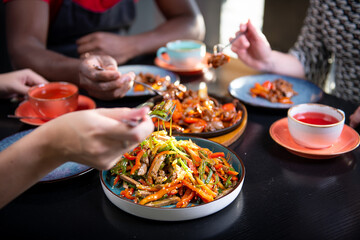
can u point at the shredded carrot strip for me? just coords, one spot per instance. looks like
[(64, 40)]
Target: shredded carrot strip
[(194, 156), (137, 162), (225, 162), (116, 180), (204, 196), (128, 193), (184, 201), (205, 188), (232, 173), (159, 194)]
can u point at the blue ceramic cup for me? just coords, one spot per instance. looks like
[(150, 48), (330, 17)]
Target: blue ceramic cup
[(183, 53)]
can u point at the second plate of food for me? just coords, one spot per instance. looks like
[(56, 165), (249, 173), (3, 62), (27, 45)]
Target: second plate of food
[(150, 75), (305, 91), (213, 117)]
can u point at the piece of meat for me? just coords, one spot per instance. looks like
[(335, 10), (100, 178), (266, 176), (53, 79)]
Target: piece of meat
[(217, 60), (142, 193), (164, 202), (129, 179), (142, 170)]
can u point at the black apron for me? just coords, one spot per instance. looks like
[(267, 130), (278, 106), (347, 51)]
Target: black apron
[(73, 21)]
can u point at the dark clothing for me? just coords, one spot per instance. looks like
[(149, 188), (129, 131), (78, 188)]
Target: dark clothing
[(73, 21)]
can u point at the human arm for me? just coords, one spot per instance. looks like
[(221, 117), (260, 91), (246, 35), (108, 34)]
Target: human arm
[(255, 51), (183, 21), (27, 27), (18, 82), (27, 23), (96, 138), (355, 118)]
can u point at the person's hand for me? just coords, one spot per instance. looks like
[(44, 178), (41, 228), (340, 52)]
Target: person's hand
[(105, 83), (355, 118), (252, 48), (18, 82), (96, 138), (121, 48)]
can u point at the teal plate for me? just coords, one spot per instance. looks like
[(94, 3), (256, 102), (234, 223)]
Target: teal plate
[(65, 171), (307, 91), (170, 213)]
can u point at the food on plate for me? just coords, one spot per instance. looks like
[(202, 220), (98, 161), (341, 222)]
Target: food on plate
[(196, 112), (278, 91), (164, 171), (154, 81), (218, 59)]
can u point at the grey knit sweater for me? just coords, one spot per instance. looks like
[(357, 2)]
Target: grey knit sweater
[(332, 29)]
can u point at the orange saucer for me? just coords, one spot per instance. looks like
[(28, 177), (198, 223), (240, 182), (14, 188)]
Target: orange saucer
[(25, 109), (348, 141), (183, 71)]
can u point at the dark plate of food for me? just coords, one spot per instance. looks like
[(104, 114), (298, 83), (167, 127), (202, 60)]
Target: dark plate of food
[(274, 91), (198, 114)]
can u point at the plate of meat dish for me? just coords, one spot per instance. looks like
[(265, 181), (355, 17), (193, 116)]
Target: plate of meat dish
[(198, 114), (274, 91), (154, 76), (171, 178)]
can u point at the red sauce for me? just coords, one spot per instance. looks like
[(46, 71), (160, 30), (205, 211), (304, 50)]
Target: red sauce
[(315, 118), (52, 93)]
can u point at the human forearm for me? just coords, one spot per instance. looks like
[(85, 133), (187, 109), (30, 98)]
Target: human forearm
[(255, 51), (23, 164), (51, 65), (284, 64), (95, 138), (27, 24)]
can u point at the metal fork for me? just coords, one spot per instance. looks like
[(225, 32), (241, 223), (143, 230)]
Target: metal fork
[(158, 92), (218, 48), (162, 111)]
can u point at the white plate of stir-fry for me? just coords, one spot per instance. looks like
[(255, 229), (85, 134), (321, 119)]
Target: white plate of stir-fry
[(174, 178)]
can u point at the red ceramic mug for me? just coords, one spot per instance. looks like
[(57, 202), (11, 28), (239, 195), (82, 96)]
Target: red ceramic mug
[(53, 99)]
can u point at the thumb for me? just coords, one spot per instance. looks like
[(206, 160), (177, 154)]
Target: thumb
[(108, 62)]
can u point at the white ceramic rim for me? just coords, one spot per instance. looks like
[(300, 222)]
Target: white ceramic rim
[(316, 125), (167, 214), (202, 44)]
